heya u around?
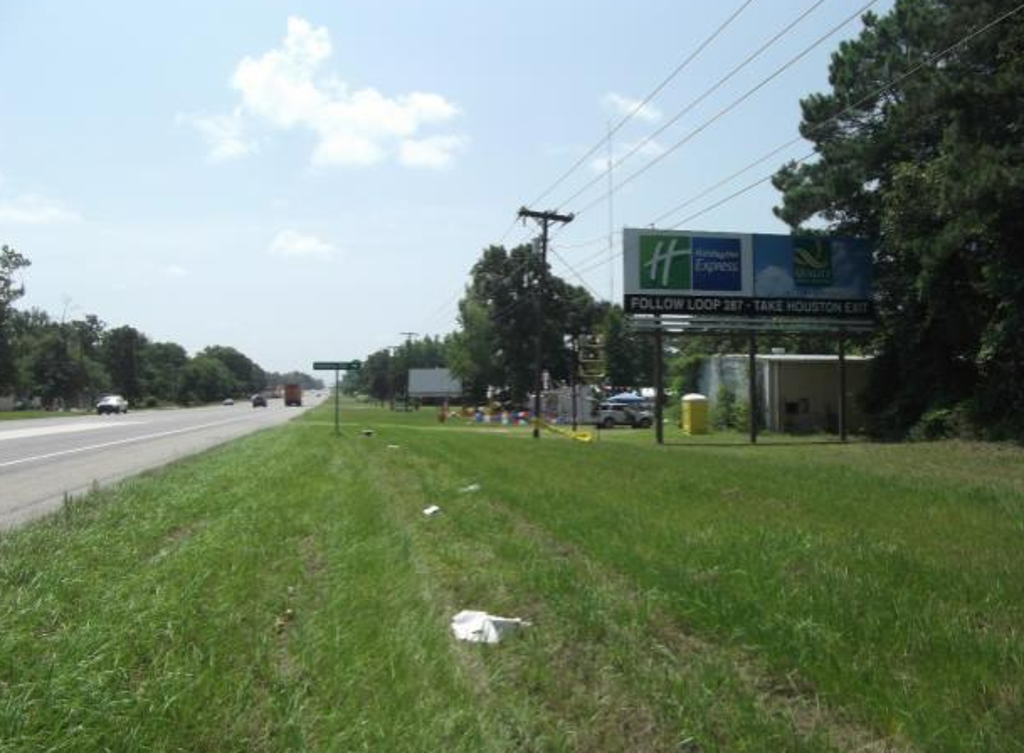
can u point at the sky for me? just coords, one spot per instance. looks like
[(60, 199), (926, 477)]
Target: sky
[(308, 180)]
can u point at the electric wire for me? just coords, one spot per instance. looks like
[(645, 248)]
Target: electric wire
[(873, 96), (750, 186), (644, 102), (811, 129), (728, 108), (576, 274), (697, 101)]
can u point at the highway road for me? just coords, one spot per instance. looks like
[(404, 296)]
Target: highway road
[(43, 459)]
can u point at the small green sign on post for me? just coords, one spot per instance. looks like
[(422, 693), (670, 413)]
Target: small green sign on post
[(337, 366)]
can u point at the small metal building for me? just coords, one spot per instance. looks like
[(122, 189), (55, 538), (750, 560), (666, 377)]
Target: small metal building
[(796, 393)]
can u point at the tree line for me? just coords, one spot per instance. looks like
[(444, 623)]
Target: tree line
[(933, 168), (71, 362)]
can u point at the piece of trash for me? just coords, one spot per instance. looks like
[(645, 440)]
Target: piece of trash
[(480, 627), (282, 621), (367, 432), (470, 489), (393, 446), (432, 510)]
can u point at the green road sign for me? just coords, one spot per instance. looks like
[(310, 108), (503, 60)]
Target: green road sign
[(337, 365)]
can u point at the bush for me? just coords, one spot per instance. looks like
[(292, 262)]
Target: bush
[(724, 416), (944, 423)]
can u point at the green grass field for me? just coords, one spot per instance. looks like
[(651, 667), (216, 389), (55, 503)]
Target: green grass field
[(286, 593)]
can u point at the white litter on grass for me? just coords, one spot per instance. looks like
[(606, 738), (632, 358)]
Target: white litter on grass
[(367, 432), (393, 446), (480, 627), (432, 510), (470, 489)]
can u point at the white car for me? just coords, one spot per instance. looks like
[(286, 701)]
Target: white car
[(112, 404), (637, 415)]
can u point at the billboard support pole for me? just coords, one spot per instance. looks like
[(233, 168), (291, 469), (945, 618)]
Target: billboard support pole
[(752, 368), (574, 377), (842, 386), (659, 385)]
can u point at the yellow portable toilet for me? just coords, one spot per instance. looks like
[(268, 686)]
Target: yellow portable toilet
[(694, 419)]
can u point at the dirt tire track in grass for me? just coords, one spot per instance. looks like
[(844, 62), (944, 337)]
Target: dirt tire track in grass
[(781, 697), (620, 708)]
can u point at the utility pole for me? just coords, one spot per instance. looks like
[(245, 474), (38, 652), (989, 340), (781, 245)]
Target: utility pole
[(392, 350), (408, 353), (545, 219)]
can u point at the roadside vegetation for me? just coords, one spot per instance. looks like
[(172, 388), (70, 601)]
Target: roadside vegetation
[(286, 593), (18, 415), (67, 363)]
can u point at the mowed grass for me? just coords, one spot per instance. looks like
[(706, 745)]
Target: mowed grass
[(18, 415), (286, 593)]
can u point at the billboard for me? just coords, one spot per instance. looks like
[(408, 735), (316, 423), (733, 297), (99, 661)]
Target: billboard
[(690, 273), (434, 383)]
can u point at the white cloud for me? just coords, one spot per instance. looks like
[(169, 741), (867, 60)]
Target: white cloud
[(289, 244), (435, 151), (648, 149), (32, 209), (774, 281), (222, 133), (173, 271), (285, 88), (624, 106)]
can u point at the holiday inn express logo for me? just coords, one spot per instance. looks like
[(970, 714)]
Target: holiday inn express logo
[(812, 261), (685, 263), (665, 262)]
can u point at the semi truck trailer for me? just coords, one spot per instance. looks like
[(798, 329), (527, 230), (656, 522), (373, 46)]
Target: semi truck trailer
[(292, 395)]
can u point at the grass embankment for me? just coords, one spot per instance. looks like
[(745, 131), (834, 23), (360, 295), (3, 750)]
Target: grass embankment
[(285, 593), (18, 415)]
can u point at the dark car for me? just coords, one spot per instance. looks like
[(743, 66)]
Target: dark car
[(258, 401)]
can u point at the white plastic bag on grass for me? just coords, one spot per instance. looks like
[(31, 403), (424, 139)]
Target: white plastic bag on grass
[(480, 627)]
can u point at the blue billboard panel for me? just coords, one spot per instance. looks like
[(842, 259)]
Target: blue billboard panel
[(717, 264), (787, 266)]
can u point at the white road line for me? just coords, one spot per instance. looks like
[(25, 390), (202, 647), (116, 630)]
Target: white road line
[(45, 431), (116, 442)]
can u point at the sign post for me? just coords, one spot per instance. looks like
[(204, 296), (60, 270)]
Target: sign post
[(337, 366)]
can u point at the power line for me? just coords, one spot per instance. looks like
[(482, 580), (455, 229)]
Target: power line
[(645, 101), (576, 274), (695, 102), (811, 129), (874, 95), (731, 106), (711, 189)]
